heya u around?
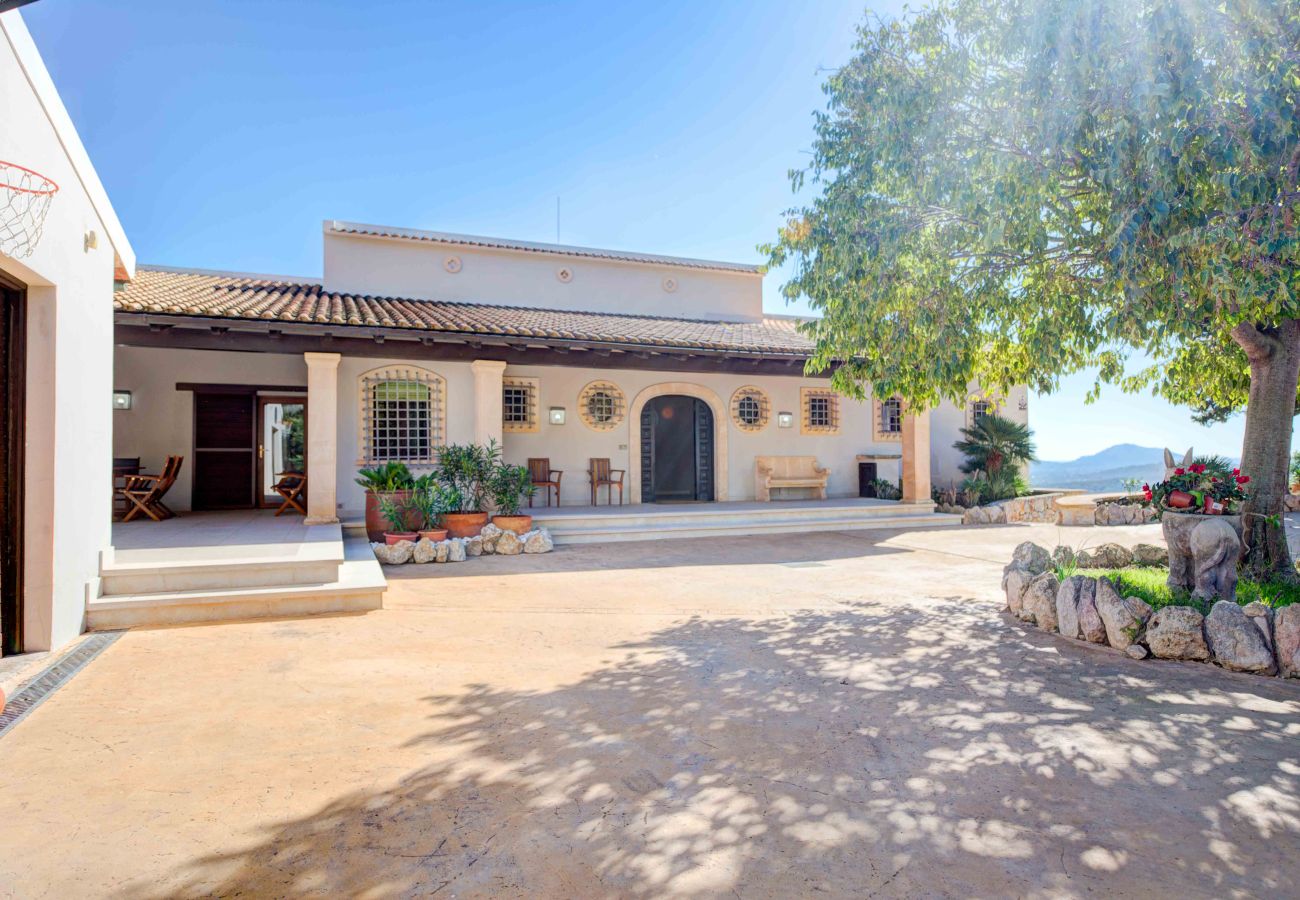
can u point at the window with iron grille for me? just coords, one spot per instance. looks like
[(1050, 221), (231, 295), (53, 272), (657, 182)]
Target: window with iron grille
[(821, 411), (601, 405), (401, 415), (518, 404), (891, 416), (979, 409), (750, 408)]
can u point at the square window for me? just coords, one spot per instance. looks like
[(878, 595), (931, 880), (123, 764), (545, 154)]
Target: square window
[(819, 412), (519, 404)]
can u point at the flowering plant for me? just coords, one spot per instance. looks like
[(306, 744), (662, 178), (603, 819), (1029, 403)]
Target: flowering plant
[(1196, 482)]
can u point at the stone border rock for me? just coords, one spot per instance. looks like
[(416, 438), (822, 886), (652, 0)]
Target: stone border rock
[(1254, 638), (491, 540), (1038, 507)]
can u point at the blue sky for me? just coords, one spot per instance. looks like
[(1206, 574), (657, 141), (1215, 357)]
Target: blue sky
[(226, 132)]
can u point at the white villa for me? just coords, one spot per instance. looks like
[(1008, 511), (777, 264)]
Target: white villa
[(667, 367)]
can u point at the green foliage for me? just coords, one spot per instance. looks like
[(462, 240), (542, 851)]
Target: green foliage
[(390, 476), (1004, 485), (510, 486), (994, 442), (469, 469), (1149, 584), (1006, 191), (887, 490), (429, 501), (1215, 466), (395, 513)]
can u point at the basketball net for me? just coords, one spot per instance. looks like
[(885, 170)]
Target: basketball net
[(24, 200)]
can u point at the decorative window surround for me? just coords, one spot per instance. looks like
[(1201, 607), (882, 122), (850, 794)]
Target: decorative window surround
[(820, 411), (750, 408), (887, 419), (403, 415), (519, 405), (601, 406)]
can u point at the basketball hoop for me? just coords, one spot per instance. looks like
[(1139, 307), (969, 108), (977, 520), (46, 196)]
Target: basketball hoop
[(24, 200)]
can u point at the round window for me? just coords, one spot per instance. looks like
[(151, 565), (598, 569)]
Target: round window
[(749, 408)]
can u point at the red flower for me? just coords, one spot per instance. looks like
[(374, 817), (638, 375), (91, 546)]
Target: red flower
[(1146, 488), (1214, 478), (1243, 479), (1197, 468), (1180, 471), (1236, 471)]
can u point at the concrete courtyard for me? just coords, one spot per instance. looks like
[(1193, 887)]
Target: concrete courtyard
[(844, 714)]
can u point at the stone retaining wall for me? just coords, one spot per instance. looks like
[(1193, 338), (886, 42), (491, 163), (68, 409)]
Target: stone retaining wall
[(1254, 638), (1030, 508)]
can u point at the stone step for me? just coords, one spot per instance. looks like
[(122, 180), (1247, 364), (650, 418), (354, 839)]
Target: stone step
[(358, 584), (180, 569)]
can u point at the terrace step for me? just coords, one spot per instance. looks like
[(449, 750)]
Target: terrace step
[(358, 584)]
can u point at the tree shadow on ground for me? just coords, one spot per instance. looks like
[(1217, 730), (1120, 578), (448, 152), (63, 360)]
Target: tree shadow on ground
[(906, 750)]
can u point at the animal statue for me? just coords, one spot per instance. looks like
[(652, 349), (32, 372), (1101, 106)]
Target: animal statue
[(1203, 550), (1170, 465)]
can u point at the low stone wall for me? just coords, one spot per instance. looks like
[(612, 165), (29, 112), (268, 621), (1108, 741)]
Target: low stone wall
[(1122, 514), (1252, 638), (491, 540), (1039, 507)]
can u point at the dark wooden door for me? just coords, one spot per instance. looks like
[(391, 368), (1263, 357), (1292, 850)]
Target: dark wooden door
[(676, 450), (225, 451), (13, 365)]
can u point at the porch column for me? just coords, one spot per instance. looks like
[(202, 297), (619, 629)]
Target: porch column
[(322, 437), (916, 457), (487, 399)]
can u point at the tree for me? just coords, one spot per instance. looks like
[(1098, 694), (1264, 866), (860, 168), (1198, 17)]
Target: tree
[(993, 442), (1006, 191)]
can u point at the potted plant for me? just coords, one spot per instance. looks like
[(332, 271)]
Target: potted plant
[(392, 480), (428, 504), (1196, 490), (396, 513), (467, 469), (510, 486)]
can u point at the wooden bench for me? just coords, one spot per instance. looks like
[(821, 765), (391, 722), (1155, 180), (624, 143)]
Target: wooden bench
[(788, 472)]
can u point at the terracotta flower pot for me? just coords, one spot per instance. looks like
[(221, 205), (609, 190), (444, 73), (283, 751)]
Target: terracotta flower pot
[(393, 537), (517, 524), (434, 534), (1215, 507), (376, 524), (464, 524), (1180, 500)]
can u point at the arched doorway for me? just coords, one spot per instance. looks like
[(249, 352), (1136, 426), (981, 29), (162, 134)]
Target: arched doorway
[(677, 449)]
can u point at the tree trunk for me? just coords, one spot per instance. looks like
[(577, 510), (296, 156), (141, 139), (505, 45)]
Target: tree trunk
[(1274, 356)]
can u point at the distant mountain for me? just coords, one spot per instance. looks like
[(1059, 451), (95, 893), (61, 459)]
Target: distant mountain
[(1103, 471)]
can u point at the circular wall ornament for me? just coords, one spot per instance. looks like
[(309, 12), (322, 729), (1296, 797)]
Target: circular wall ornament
[(564, 274), (452, 264), (601, 406), (750, 409), (670, 284)]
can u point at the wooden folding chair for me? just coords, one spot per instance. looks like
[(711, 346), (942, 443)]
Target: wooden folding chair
[(543, 476), (602, 475), (291, 487), (144, 493)]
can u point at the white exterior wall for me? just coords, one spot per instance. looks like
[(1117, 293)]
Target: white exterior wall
[(946, 423), (404, 268), (67, 510)]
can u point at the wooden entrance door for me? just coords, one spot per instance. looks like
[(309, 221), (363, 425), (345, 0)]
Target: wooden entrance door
[(281, 443), (13, 391), (225, 448), (676, 450)]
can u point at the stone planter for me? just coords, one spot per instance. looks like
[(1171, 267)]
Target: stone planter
[(464, 524)]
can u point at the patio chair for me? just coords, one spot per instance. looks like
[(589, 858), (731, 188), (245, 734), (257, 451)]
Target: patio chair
[(602, 475), (543, 476), (291, 487), (144, 493)]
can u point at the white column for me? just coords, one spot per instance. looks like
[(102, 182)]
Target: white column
[(916, 457), (487, 399), (322, 437)]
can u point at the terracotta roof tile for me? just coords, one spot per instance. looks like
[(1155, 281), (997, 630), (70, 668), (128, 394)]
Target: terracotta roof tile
[(235, 296)]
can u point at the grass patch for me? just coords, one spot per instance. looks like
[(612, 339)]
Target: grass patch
[(1148, 583)]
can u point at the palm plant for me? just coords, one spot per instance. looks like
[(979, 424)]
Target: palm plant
[(993, 443)]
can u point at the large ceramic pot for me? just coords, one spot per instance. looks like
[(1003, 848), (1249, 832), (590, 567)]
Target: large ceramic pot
[(376, 524), (517, 524), (396, 537), (464, 524), (434, 534), (1180, 500)]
